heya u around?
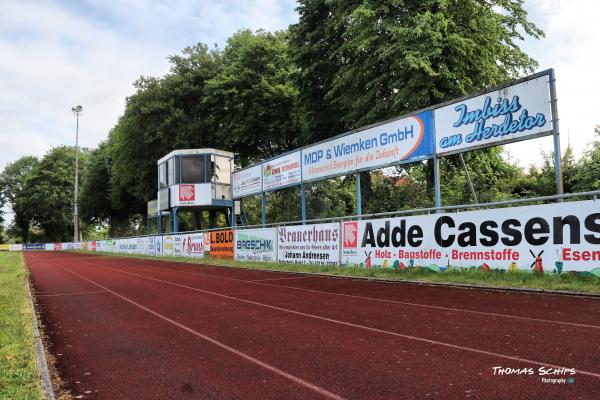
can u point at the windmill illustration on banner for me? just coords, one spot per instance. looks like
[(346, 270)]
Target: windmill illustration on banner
[(537, 261)]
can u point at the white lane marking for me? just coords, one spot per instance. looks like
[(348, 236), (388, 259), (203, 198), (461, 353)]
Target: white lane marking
[(293, 378), (406, 303), (335, 321), (69, 294)]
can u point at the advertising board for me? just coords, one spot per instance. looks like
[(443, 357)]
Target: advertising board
[(282, 171), (221, 244), (34, 247), (507, 115), (247, 181), (309, 244), (169, 245), (15, 247), (4, 247), (49, 247), (372, 148), (256, 245), (552, 237), (192, 245)]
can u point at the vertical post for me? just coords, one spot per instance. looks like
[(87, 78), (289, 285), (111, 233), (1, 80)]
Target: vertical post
[(462, 160), (175, 222), (303, 203), (159, 222), (358, 195), (77, 110), (233, 222), (436, 182), (555, 134), (169, 221), (263, 200)]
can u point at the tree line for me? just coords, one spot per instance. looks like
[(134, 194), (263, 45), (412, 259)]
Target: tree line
[(345, 64)]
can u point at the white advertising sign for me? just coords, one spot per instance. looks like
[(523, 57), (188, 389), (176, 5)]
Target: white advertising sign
[(558, 237), (247, 182), (282, 171), (255, 245), (372, 148), (49, 246), (207, 242), (509, 114), (15, 247), (198, 194), (169, 245), (309, 244), (192, 245)]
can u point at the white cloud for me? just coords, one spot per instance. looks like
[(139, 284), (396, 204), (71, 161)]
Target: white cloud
[(571, 48)]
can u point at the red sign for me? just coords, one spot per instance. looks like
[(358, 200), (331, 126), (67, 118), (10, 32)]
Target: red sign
[(57, 246), (187, 193), (350, 235)]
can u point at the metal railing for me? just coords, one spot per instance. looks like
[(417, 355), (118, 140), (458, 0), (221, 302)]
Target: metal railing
[(593, 195)]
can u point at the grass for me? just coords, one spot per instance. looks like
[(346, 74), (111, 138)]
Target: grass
[(19, 377), (520, 279)]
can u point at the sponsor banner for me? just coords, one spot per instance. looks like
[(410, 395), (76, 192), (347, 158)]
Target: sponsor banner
[(58, 246), (198, 194), (177, 244), (34, 247), (371, 148), (169, 245), (256, 245), (309, 244), (15, 247), (247, 182), (510, 114), (207, 242), (100, 245), (4, 247), (155, 246), (221, 244), (192, 245), (282, 171), (93, 245), (141, 245), (557, 237), (49, 247)]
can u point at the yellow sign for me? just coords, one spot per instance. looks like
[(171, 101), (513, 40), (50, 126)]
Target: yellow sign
[(4, 247)]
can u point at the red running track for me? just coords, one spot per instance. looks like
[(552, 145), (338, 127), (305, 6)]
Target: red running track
[(124, 328)]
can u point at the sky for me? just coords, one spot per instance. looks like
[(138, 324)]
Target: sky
[(56, 54)]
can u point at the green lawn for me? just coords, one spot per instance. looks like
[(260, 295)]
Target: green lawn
[(521, 279), (19, 378)]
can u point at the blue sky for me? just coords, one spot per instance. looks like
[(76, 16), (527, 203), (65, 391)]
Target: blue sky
[(58, 53)]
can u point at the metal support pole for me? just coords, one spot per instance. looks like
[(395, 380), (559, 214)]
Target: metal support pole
[(175, 222), (462, 160), (556, 135), (436, 182), (233, 222), (303, 203), (159, 223), (76, 110), (263, 200), (358, 196)]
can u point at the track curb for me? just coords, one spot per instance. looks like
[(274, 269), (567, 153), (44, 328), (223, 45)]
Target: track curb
[(40, 353), (375, 279)]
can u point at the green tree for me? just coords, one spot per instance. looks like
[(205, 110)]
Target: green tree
[(12, 183), (587, 175), (164, 114), (47, 193), (253, 99), (364, 61)]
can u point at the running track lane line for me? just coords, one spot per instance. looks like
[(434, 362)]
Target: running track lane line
[(335, 321), (261, 282), (293, 378), (69, 294)]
